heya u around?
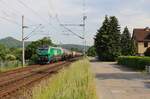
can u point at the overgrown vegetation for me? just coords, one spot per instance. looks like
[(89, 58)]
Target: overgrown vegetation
[(75, 82), (135, 62)]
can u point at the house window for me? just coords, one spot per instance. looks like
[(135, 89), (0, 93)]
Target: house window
[(145, 44)]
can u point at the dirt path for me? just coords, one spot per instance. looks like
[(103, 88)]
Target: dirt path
[(116, 82)]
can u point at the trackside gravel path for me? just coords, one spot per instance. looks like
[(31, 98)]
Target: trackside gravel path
[(116, 82)]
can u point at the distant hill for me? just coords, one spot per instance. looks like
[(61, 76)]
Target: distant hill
[(11, 42), (74, 46)]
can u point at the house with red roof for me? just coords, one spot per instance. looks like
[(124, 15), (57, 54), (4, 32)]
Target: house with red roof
[(141, 37)]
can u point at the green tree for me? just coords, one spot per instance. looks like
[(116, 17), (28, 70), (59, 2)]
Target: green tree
[(17, 52), (133, 47), (147, 52), (3, 52), (102, 40), (127, 45), (10, 57), (74, 49), (31, 48), (114, 38), (107, 40), (91, 51)]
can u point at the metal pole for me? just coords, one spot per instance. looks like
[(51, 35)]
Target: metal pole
[(23, 50), (84, 19), (84, 35)]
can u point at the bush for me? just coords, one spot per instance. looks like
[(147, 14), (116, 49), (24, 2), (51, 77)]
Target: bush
[(134, 62), (147, 52)]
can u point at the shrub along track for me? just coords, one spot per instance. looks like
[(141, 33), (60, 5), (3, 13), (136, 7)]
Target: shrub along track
[(12, 81)]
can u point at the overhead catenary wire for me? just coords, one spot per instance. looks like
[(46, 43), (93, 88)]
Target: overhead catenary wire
[(11, 21), (11, 12), (49, 11), (72, 32), (62, 25), (31, 33), (6, 16), (68, 28), (22, 3), (9, 18), (4, 3), (35, 12), (50, 2)]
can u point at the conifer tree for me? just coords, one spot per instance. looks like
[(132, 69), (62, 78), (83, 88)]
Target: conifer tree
[(115, 37), (127, 44), (107, 41), (102, 40)]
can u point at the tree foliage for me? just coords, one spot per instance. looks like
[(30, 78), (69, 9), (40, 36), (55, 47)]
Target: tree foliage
[(91, 51), (10, 57), (17, 52), (147, 52), (31, 48), (127, 44), (75, 49), (107, 40), (10, 54), (3, 52)]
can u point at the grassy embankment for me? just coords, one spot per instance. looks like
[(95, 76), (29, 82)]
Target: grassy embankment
[(75, 82), (6, 66)]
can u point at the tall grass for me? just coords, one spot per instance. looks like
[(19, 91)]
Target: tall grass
[(9, 65), (75, 82)]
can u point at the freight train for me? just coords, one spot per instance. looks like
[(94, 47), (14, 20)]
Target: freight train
[(48, 54)]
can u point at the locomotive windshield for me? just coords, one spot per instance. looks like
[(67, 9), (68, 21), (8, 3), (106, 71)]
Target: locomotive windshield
[(43, 49)]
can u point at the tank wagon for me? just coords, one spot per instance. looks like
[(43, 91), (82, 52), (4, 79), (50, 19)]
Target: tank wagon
[(48, 54)]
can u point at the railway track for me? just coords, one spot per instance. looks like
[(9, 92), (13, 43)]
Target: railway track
[(12, 81)]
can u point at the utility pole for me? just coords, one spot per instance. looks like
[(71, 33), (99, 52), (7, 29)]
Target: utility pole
[(23, 50), (84, 40), (84, 25), (81, 25), (25, 38)]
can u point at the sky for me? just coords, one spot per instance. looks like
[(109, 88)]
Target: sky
[(51, 13)]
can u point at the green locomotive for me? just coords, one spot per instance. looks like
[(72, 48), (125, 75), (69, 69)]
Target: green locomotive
[(48, 54)]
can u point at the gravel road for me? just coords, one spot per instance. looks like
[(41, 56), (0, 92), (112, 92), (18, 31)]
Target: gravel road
[(117, 82)]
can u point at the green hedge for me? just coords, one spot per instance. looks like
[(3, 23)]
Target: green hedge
[(135, 62)]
